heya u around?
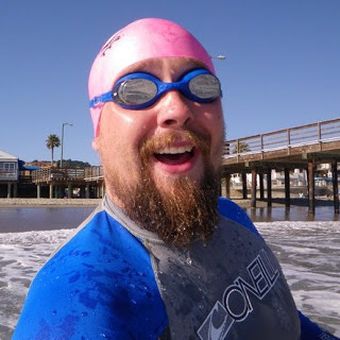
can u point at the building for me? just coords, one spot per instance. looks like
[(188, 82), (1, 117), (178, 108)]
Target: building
[(26, 187), (9, 174)]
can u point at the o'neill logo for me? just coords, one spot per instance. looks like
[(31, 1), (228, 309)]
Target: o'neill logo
[(236, 303)]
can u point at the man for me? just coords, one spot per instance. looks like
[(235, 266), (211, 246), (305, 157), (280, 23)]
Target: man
[(162, 257)]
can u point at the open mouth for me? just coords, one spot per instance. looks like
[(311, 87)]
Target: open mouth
[(175, 155)]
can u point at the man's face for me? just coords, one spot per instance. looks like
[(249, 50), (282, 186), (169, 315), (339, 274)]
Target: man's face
[(171, 144)]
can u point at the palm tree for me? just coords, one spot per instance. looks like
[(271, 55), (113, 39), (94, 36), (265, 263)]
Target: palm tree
[(52, 142)]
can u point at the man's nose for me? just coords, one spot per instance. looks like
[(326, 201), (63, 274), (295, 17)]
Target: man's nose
[(174, 110)]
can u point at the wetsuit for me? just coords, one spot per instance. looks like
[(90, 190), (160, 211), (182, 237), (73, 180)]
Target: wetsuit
[(114, 280)]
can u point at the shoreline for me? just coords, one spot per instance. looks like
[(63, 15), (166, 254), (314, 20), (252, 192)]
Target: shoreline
[(50, 202), (89, 202), (93, 202)]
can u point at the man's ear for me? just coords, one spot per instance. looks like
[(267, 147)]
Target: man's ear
[(95, 141), (95, 144)]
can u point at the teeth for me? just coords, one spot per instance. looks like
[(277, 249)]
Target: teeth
[(175, 150)]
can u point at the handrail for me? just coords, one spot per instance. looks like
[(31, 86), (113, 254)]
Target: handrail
[(93, 172), (59, 175), (284, 138), (49, 175)]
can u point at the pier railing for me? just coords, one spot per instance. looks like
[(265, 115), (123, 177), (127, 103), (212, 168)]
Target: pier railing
[(94, 173), (57, 175), (324, 131)]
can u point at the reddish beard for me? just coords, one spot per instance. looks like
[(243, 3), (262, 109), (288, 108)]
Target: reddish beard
[(184, 211)]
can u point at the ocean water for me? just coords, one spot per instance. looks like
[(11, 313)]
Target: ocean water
[(309, 253), (18, 219)]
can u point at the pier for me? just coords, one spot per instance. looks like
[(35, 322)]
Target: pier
[(302, 147), (61, 182)]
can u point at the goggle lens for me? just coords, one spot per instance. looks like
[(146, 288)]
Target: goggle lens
[(136, 91), (205, 86)]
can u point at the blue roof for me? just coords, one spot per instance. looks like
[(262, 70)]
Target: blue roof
[(22, 166), (30, 167)]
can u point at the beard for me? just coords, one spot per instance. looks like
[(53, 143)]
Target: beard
[(182, 212)]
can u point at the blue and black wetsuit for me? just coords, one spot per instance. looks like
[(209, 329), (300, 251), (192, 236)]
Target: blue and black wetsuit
[(115, 280)]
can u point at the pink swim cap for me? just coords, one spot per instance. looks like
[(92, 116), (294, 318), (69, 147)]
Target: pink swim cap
[(140, 40)]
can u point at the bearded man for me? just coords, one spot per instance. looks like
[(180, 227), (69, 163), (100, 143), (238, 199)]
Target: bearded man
[(162, 257)]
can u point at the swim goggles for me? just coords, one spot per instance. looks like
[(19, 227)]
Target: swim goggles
[(139, 90)]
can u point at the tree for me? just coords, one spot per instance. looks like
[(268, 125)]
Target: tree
[(75, 164), (52, 142), (241, 147)]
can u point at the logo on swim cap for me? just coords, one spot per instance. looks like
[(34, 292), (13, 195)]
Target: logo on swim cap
[(109, 44)]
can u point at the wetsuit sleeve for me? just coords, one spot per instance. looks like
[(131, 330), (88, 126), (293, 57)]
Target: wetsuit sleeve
[(100, 284), (309, 329)]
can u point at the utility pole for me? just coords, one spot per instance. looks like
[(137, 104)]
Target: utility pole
[(62, 142)]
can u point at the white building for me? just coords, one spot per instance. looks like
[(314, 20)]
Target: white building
[(9, 174), (297, 177)]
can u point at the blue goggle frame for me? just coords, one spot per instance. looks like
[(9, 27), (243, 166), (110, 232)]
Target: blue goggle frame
[(162, 87)]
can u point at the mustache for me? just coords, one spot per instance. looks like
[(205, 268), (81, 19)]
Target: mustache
[(152, 145)]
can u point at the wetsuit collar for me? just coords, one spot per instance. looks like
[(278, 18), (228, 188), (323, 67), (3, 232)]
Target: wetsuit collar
[(118, 214)]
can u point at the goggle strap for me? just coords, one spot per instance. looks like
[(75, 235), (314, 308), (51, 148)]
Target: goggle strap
[(106, 97)]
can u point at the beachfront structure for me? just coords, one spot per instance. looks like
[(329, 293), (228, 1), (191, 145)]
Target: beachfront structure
[(61, 183), (26, 187), (69, 182), (9, 174), (303, 147)]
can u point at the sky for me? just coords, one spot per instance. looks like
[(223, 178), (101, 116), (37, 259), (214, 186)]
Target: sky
[(282, 66)]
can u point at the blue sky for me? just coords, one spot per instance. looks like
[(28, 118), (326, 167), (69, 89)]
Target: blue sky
[(282, 67)]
